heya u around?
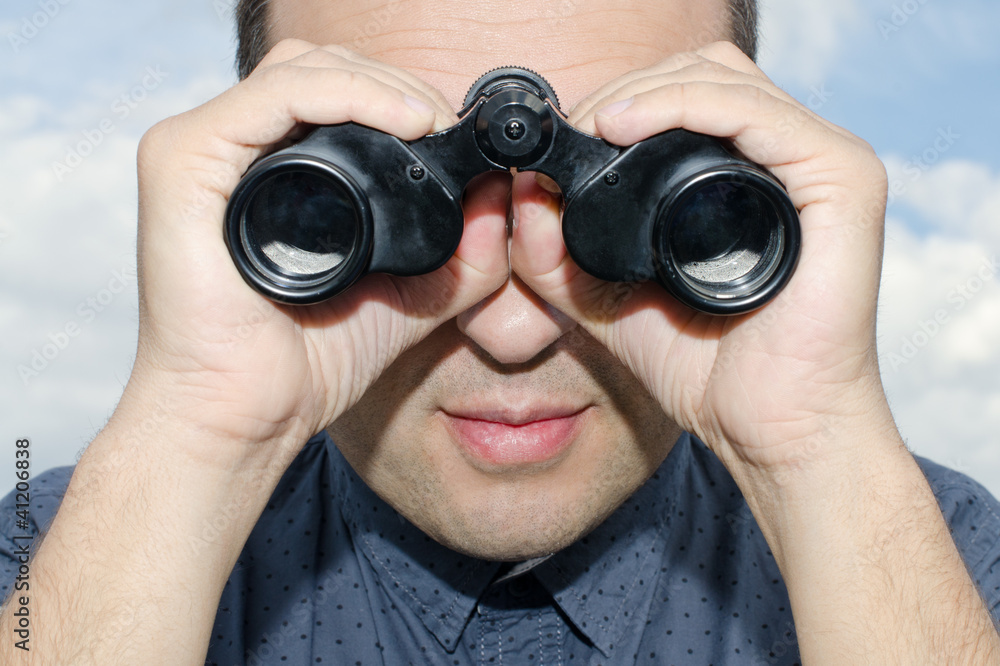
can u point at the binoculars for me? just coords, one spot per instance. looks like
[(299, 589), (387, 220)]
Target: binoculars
[(684, 209)]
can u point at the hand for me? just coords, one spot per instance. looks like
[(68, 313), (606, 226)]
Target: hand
[(759, 388), (234, 363)]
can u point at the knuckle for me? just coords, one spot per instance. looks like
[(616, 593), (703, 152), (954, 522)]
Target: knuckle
[(754, 96), (871, 166), (686, 58), (339, 50), (358, 81), (154, 143), (271, 76), (436, 96), (710, 70), (344, 53), (316, 57), (722, 47), (286, 49), (723, 50), (361, 90)]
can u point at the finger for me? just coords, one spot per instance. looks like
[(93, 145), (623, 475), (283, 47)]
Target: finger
[(262, 111), (434, 96), (283, 51), (539, 256), (768, 130), (730, 55), (599, 97), (537, 246), (700, 65), (699, 70), (335, 56), (483, 247), (723, 53), (478, 267)]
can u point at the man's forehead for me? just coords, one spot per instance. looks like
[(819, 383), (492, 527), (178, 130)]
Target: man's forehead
[(577, 44)]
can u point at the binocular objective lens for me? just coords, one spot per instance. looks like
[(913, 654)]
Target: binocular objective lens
[(724, 238), (300, 225)]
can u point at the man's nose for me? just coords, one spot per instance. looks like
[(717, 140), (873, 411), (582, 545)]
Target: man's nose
[(513, 324)]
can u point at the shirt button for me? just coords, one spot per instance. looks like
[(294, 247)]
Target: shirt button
[(519, 587)]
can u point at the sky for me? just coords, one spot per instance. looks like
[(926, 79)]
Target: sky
[(82, 80)]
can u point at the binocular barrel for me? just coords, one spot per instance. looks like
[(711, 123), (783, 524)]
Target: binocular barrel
[(687, 210)]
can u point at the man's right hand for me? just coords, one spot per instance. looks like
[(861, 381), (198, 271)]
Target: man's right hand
[(245, 368)]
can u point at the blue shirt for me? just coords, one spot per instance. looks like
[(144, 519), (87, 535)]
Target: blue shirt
[(679, 574)]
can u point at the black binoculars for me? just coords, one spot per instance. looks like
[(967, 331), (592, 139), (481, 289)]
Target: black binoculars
[(687, 210)]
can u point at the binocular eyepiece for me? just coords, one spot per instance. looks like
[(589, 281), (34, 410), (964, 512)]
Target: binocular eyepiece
[(687, 210)]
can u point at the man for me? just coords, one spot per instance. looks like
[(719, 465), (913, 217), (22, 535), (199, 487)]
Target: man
[(516, 413)]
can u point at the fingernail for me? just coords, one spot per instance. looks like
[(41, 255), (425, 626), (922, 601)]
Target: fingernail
[(612, 110), (417, 105)]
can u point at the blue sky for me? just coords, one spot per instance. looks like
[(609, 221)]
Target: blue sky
[(97, 74)]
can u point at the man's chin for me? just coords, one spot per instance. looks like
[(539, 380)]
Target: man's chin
[(508, 547), (512, 527)]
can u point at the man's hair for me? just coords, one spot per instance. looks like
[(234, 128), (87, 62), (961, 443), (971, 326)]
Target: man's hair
[(253, 40)]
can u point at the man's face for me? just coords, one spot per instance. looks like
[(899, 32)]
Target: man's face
[(509, 432)]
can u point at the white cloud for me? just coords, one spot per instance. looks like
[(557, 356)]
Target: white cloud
[(801, 40), (19, 113), (960, 197), (972, 340), (938, 318)]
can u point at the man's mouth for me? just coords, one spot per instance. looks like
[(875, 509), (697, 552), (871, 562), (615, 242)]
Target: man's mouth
[(497, 438)]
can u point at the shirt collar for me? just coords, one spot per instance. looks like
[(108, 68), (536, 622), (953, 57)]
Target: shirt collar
[(601, 582), (604, 583)]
